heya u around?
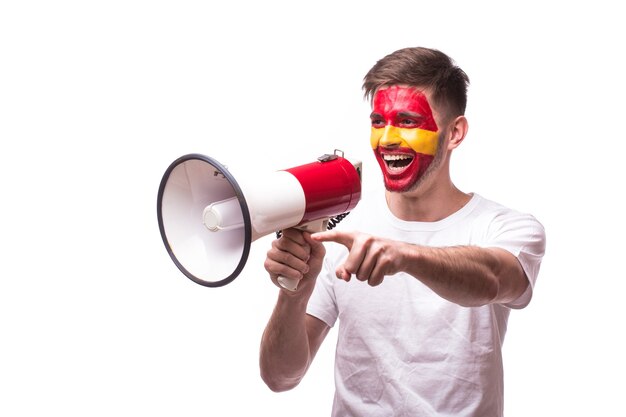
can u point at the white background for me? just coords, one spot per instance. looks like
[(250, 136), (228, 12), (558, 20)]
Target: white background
[(97, 98)]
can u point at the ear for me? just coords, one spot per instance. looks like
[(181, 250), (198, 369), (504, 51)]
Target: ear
[(458, 130)]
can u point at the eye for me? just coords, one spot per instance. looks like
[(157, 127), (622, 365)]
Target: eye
[(378, 123), (407, 122)]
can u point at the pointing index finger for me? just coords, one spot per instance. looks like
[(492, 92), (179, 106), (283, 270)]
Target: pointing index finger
[(344, 238)]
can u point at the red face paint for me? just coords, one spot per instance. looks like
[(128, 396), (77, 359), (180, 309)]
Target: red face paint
[(404, 135), (403, 107)]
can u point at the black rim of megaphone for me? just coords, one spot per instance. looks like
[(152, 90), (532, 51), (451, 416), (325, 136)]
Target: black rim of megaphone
[(244, 209)]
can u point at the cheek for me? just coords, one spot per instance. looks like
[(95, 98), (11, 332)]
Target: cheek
[(375, 136), (421, 141)]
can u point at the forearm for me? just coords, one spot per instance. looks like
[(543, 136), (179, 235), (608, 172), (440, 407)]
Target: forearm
[(285, 355), (466, 275)]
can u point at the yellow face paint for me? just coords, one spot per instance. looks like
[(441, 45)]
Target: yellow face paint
[(421, 141)]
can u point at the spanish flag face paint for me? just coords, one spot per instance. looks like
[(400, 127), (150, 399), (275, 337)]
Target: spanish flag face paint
[(404, 135)]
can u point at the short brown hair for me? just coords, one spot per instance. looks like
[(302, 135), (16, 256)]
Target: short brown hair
[(422, 68)]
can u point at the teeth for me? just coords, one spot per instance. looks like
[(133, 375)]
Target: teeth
[(396, 157), (397, 162)]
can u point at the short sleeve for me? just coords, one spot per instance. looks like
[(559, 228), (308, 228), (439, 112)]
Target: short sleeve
[(523, 236)]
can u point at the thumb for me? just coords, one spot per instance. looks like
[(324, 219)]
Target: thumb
[(342, 273)]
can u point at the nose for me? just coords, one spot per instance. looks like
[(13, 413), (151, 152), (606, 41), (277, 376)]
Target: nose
[(390, 137)]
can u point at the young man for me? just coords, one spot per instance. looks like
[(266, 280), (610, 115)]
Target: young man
[(440, 269)]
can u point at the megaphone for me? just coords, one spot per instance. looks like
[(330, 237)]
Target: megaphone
[(208, 220)]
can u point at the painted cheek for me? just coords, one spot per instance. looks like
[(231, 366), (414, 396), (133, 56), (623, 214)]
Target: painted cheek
[(421, 141), (375, 136)]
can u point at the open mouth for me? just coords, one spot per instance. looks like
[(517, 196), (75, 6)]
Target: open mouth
[(397, 162)]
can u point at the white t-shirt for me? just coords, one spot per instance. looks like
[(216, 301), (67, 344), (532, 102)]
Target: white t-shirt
[(402, 350)]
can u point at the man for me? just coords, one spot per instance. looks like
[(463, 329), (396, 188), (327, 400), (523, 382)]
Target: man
[(441, 269)]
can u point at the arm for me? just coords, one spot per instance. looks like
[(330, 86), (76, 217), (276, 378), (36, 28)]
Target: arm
[(292, 338), (466, 275)]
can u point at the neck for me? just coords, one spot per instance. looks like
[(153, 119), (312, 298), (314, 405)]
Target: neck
[(430, 202)]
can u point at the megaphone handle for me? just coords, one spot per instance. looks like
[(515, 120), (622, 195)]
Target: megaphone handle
[(288, 283), (314, 226)]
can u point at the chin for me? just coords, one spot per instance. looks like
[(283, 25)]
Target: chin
[(402, 187)]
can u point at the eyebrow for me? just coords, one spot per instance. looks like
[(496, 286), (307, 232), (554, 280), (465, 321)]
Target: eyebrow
[(400, 114), (410, 114)]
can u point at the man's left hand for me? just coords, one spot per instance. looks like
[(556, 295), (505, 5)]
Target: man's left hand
[(370, 258)]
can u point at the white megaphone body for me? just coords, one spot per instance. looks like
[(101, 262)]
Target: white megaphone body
[(208, 220)]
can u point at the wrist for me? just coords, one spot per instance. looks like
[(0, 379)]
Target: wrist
[(293, 300), (411, 257)]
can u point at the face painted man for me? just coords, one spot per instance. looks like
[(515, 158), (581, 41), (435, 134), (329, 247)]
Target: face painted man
[(440, 269), (404, 136)]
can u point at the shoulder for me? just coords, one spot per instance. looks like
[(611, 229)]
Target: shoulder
[(498, 216), (509, 228)]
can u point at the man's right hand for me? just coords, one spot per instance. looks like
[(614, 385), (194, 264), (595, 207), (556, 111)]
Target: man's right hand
[(295, 256)]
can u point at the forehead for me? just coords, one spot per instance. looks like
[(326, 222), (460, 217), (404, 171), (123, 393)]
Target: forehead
[(401, 98)]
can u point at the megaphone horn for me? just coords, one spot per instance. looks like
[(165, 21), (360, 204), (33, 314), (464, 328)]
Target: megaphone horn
[(208, 220)]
